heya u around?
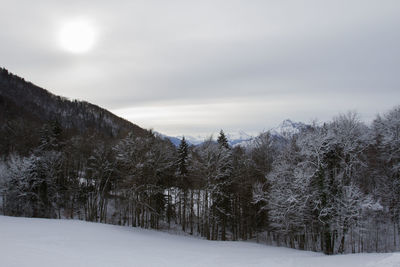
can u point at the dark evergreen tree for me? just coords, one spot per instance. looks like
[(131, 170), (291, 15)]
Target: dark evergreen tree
[(183, 181), (183, 158), (222, 140)]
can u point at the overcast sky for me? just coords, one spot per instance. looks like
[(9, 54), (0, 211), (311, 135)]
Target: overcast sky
[(194, 67)]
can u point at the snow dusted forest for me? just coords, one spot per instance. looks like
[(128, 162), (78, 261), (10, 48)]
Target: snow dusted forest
[(332, 187)]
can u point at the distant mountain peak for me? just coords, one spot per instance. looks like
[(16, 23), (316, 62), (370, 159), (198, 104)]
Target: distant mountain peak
[(288, 127)]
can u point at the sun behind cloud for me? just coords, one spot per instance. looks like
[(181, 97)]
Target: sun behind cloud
[(77, 35)]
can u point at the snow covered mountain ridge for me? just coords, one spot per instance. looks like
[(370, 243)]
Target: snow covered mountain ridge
[(284, 129), (288, 127)]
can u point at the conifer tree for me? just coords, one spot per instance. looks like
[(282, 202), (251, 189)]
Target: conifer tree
[(222, 140), (183, 158), (183, 179)]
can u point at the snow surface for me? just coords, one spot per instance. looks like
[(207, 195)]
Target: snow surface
[(41, 242)]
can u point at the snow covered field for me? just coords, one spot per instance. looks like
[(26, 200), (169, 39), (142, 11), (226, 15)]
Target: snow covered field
[(40, 242)]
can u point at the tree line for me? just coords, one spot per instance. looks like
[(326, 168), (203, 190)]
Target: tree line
[(331, 187)]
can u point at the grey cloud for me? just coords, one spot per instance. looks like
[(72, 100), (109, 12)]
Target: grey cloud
[(150, 52)]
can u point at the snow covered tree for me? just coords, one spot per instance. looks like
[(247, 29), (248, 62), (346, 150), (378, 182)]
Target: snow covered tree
[(386, 162), (221, 187), (204, 164), (15, 187), (262, 152), (288, 196), (184, 180), (31, 188), (145, 164), (99, 175)]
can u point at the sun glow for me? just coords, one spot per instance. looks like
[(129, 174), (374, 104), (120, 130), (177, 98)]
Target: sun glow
[(77, 36)]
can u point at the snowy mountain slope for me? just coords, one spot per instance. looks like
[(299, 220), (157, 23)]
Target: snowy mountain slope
[(233, 139), (288, 127), (176, 140), (241, 138), (279, 133), (42, 242)]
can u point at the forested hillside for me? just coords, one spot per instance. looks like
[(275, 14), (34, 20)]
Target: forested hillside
[(25, 107), (332, 187)]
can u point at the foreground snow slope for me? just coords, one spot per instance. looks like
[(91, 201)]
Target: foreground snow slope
[(41, 242)]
